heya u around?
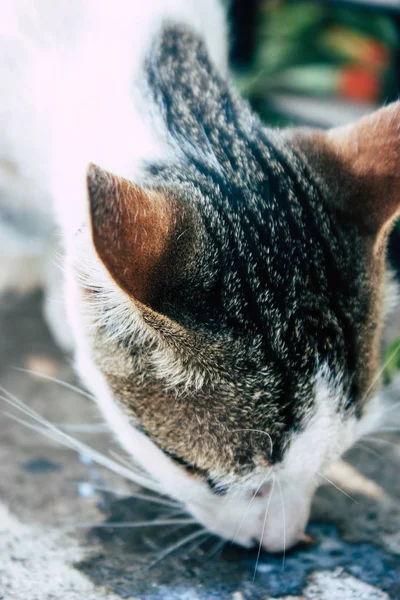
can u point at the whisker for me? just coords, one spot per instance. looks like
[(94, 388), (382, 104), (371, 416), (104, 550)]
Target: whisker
[(284, 525), (249, 507), (258, 431), (80, 447), (132, 524), (370, 450), (193, 547), (65, 384), (128, 493), (60, 437), (124, 461), (136, 467), (389, 430), (381, 370), (176, 546), (174, 511), (82, 428), (217, 548), (169, 533), (391, 408), (59, 261), (337, 487), (15, 401), (379, 440), (263, 528)]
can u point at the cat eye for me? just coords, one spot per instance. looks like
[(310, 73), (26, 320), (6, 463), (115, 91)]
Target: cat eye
[(215, 487), (181, 462)]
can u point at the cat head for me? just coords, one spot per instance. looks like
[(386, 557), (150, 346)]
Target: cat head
[(227, 312)]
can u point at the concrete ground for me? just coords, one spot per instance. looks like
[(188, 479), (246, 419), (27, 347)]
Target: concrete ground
[(51, 497)]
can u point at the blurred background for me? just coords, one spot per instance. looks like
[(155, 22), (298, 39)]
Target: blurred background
[(320, 62)]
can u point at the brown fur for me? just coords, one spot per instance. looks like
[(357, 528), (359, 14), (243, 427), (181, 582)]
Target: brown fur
[(360, 166), (134, 232), (364, 158)]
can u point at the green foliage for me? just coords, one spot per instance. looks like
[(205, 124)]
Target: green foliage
[(391, 361), (306, 46)]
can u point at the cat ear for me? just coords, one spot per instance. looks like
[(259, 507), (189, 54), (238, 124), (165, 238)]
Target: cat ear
[(134, 233), (363, 165)]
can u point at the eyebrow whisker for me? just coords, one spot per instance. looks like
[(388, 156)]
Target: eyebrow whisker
[(258, 431)]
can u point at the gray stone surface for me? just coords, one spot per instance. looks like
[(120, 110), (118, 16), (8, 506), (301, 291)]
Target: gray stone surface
[(49, 497)]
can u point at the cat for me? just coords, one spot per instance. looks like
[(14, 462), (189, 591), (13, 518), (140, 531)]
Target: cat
[(224, 282)]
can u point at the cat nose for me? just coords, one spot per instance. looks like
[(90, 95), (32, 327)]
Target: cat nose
[(286, 521)]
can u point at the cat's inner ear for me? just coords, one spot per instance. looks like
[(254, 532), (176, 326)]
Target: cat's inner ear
[(134, 233), (362, 164)]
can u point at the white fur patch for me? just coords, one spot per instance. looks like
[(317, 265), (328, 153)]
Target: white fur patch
[(73, 93)]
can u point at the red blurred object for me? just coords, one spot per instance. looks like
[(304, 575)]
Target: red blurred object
[(359, 84), (376, 54)]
